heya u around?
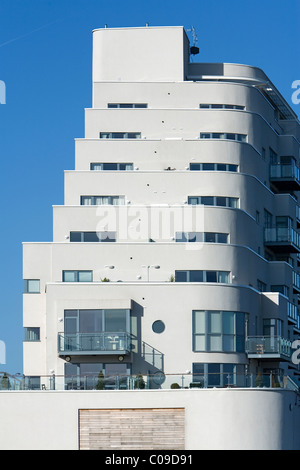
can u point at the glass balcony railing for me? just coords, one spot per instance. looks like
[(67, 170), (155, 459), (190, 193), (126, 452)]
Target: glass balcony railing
[(285, 238), (101, 343), (286, 176), (147, 382), (268, 347), (287, 171)]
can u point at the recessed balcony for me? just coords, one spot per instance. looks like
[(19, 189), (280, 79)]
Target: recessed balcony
[(282, 239), (105, 343), (268, 347), (285, 177)]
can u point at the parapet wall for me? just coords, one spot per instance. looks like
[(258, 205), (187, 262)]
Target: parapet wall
[(203, 419)]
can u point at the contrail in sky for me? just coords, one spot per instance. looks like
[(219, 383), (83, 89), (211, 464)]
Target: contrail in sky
[(27, 34)]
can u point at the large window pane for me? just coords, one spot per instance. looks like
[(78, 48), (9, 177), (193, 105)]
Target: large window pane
[(69, 276), (215, 343), (90, 237), (75, 236), (211, 276), (222, 238), (86, 200), (32, 286), (90, 321), (181, 276), (196, 276), (85, 276), (207, 200), (208, 166), (228, 323), (214, 376), (32, 334), (199, 321), (210, 237), (193, 200), (115, 320), (215, 323), (71, 324), (110, 166), (228, 343), (221, 201), (240, 323), (223, 277), (199, 343)]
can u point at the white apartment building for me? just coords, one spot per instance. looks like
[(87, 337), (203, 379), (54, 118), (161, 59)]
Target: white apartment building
[(175, 255)]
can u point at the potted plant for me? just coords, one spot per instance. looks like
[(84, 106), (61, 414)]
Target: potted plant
[(101, 381), (175, 385), (139, 382)]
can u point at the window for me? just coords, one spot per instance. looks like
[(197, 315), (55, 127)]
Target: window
[(214, 201), (96, 321), (282, 289), (272, 327), (224, 135), (218, 374), (202, 276), (127, 105), (207, 237), (221, 106), (96, 376), (273, 156), (268, 219), (120, 135), (213, 167), (77, 276), (261, 286), (111, 166), (31, 334), (218, 331), (32, 286), (92, 237), (102, 200), (158, 326)]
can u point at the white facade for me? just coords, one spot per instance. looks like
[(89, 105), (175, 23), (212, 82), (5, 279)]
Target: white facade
[(170, 147), (215, 419)]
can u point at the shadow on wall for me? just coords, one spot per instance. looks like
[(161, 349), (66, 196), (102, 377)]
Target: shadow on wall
[(146, 360)]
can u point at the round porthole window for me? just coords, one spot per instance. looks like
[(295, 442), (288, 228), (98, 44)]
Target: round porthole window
[(158, 326)]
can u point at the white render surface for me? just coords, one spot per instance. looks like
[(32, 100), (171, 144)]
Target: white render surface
[(228, 419)]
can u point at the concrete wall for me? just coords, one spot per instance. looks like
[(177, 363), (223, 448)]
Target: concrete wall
[(228, 419)]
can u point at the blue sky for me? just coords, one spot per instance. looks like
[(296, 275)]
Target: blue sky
[(45, 62)]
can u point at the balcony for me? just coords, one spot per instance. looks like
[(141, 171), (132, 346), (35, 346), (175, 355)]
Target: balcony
[(268, 347), (282, 239), (285, 177), (106, 343)]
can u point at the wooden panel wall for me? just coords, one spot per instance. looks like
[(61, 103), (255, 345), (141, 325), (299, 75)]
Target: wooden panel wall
[(132, 429)]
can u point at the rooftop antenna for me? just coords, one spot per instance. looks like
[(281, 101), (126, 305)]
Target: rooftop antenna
[(194, 49)]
